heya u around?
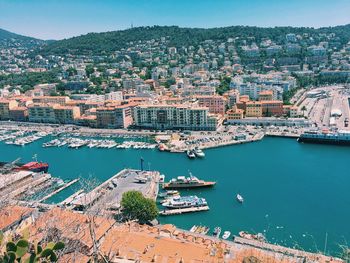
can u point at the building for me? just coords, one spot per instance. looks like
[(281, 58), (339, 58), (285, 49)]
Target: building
[(19, 114), (5, 107), (118, 116), (198, 90), (232, 97), (234, 114), (216, 104), (41, 112), (66, 114), (272, 108), (253, 109), (266, 95), (181, 116), (61, 100)]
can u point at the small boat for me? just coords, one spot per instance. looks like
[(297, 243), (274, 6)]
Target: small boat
[(199, 153), (217, 231), (226, 235), (239, 198), (190, 154), (169, 193), (193, 229)]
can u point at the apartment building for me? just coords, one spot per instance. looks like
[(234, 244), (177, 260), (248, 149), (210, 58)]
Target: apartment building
[(19, 114), (232, 97), (272, 108), (66, 114), (117, 116), (5, 107), (61, 100), (253, 109), (234, 114), (181, 116), (41, 112), (266, 95), (216, 104)]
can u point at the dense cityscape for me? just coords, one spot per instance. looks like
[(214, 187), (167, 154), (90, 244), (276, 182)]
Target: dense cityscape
[(158, 90)]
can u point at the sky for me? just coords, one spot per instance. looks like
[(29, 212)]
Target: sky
[(58, 19)]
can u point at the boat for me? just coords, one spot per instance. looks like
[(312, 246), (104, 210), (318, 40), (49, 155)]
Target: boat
[(161, 147), (226, 235), (193, 229), (161, 178), (199, 153), (325, 137), (169, 193), (190, 154), (246, 235), (184, 202), (187, 182), (239, 198), (35, 167), (217, 231)]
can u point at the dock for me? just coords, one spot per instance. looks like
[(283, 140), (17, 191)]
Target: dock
[(183, 210), (58, 190), (70, 198)]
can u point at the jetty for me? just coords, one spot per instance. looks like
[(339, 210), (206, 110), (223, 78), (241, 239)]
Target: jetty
[(180, 211), (71, 197), (58, 190)]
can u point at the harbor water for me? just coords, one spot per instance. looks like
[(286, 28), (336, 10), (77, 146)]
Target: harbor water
[(297, 194)]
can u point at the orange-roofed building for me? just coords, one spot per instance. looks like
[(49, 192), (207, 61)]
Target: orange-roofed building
[(234, 114), (12, 216), (61, 100), (119, 116), (216, 103), (66, 114), (272, 108), (19, 114), (5, 106), (71, 228), (253, 109), (266, 95)]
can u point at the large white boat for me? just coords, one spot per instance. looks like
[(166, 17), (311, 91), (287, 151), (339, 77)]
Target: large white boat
[(325, 137), (184, 202), (187, 182)]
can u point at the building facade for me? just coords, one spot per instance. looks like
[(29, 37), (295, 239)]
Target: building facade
[(182, 117)]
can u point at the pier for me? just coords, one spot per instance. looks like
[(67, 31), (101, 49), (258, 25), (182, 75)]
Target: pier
[(71, 197), (108, 195), (58, 190), (183, 210)]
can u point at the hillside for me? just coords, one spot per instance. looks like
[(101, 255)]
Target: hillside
[(9, 39), (100, 43)]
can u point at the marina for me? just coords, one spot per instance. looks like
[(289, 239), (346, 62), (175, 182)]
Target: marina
[(261, 212)]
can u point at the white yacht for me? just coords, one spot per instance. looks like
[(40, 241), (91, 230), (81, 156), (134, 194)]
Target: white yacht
[(239, 198), (226, 235), (199, 153)]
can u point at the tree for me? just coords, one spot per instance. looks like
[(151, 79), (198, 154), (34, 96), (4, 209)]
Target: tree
[(89, 70), (71, 71), (137, 207)]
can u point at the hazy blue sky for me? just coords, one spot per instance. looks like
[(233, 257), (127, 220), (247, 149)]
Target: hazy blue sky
[(56, 19)]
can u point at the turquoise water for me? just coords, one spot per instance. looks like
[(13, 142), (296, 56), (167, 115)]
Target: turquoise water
[(294, 192)]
